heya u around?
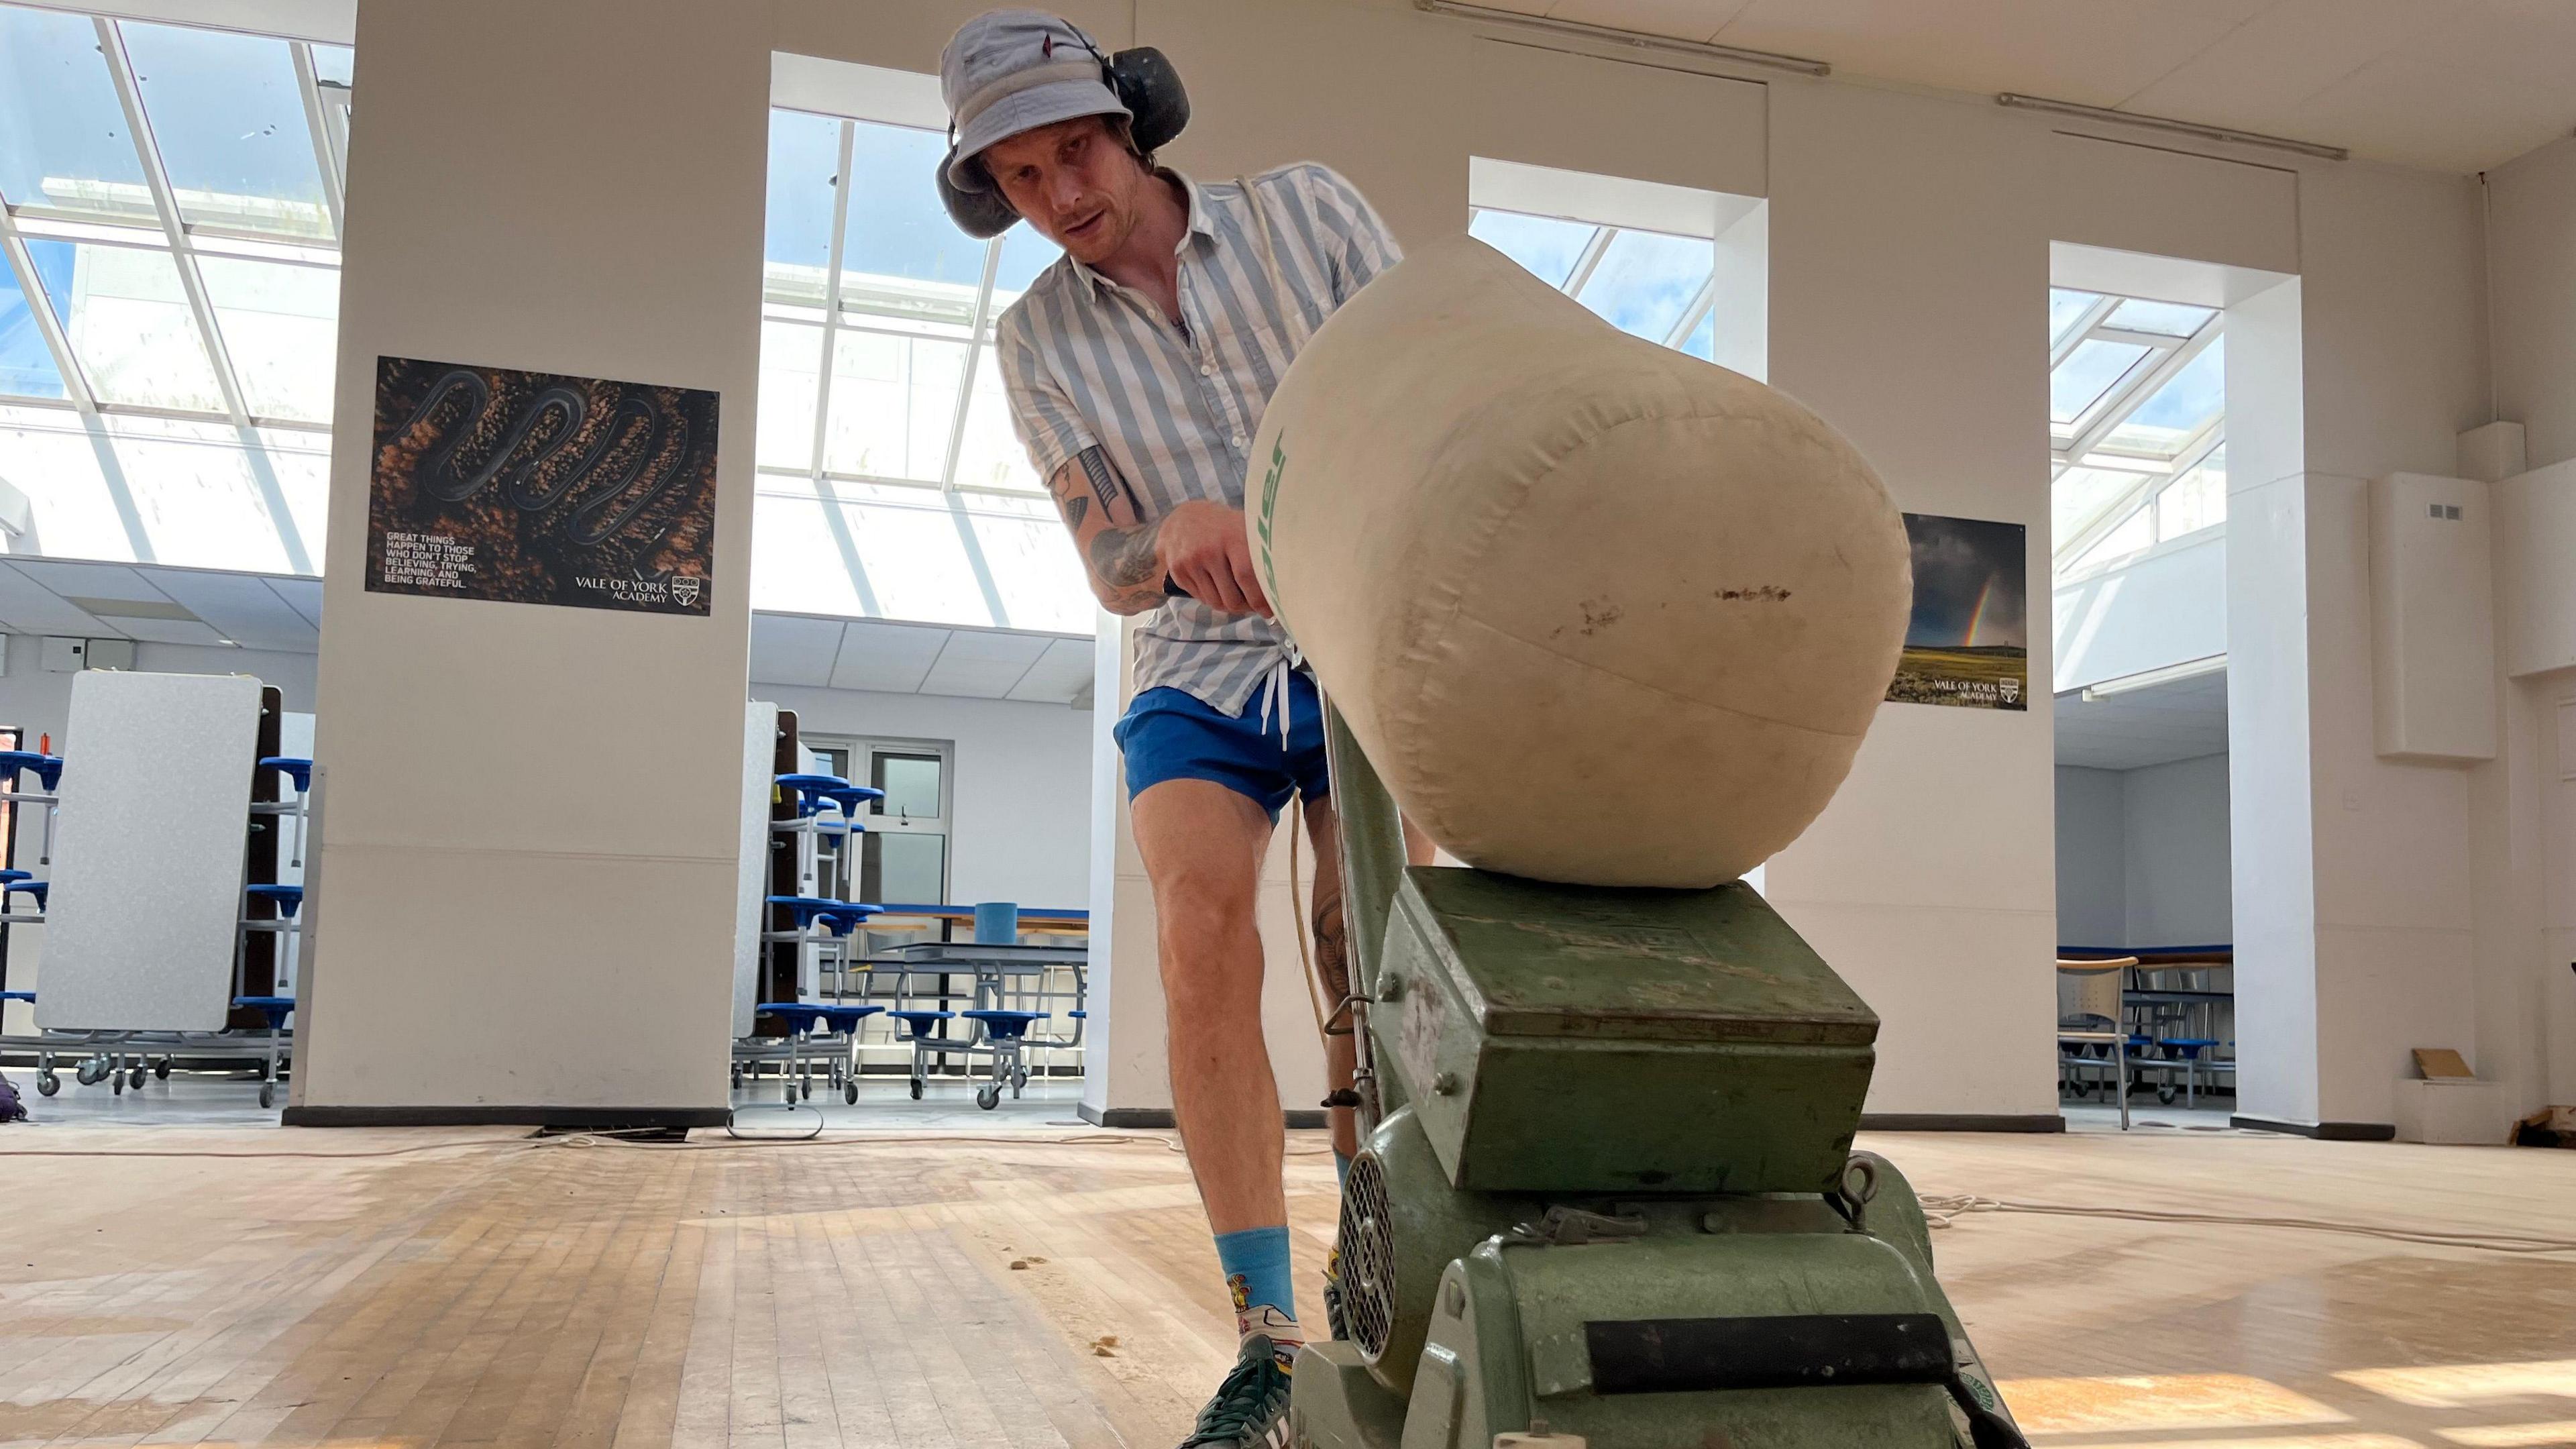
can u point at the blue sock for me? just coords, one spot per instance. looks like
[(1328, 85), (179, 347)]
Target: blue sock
[(1341, 1169), (1255, 1263)]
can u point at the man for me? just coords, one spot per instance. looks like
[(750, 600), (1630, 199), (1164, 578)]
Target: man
[(1138, 367)]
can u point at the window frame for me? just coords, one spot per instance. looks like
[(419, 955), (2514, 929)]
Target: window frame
[(184, 243), (2086, 441), (860, 754)]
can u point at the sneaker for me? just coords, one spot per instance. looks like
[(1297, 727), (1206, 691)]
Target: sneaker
[(1250, 1410)]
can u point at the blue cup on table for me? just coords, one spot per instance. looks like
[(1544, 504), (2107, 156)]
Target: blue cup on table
[(997, 923)]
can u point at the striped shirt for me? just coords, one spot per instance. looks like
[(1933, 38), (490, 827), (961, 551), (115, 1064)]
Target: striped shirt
[(1089, 362)]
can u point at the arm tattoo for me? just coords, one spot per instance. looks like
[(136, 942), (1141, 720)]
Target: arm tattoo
[(1123, 561), (1125, 558), (1104, 479)]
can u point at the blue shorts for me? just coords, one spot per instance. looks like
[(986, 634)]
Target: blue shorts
[(1171, 735)]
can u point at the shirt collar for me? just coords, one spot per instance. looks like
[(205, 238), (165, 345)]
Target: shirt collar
[(1202, 223)]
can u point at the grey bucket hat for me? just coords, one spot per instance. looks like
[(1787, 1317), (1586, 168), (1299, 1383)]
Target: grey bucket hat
[(1009, 71)]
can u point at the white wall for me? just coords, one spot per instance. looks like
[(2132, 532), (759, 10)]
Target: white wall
[(1021, 795), (2174, 825), (2092, 858), (2142, 855), (1909, 261), (534, 811), (2167, 607), (2533, 253)]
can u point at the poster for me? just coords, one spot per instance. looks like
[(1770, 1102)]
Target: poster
[(537, 488), (1968, 642)]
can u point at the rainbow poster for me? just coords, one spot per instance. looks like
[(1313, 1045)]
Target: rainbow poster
[(1968, 642)]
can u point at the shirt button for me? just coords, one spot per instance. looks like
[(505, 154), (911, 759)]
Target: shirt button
[(1236, 442), (1207, 370)]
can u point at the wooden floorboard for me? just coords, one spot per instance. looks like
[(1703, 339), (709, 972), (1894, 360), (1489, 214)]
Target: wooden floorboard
[(1028, 1293)]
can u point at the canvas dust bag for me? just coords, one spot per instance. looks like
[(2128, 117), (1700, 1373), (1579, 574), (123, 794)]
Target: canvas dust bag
[(1599, 612)]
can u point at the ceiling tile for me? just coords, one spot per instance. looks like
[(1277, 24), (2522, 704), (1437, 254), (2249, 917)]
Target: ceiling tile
[(2451, 115), (982, 664), (91, 580), (2282, 57), (28, 607), (240, 607), (792, 649), (1060, 674), (304, 596), (171, 631), (887, 658), (2097, 53), (1680, 19)]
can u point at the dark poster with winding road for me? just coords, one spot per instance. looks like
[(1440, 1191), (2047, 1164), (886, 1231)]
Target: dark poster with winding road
[(536, 488)]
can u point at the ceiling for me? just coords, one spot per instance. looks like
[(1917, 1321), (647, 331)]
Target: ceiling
[(892, 658), (212, 608), (2180, 721), (160, 605), (2456, 85)]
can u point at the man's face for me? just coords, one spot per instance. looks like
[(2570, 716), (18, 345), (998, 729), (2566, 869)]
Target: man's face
[(1075, 181)]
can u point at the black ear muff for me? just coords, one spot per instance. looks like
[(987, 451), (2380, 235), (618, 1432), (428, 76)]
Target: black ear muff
[(1147, 85), (982, 213)]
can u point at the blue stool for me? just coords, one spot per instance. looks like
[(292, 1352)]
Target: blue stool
[(915, 1029), (851, 797), (287, 898), (802, 1017), (2188, 1048), (48, 768), (811, 790), (276, 1009), (1005, 1036), (37, 888), (838, 919), (28, 997), (842, 1021), (298, 772)]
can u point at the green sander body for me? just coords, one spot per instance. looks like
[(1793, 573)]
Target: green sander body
[(1607, 1198)]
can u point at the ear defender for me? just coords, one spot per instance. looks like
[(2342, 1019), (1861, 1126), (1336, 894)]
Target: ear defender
[(1150, 88), (1144, 81), (981, 213)]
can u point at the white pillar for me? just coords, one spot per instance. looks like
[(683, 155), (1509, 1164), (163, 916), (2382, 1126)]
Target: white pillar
[(532, 834)]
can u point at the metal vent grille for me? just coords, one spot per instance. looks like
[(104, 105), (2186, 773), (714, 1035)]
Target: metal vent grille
[(1368, 1258)]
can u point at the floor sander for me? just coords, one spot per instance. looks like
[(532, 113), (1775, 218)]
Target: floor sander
[(1606, 1196)]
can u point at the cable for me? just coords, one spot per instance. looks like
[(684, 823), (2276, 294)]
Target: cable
[(791, 1108), (1941, 1210)]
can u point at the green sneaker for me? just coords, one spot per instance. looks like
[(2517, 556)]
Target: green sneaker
[(1250, 1410)]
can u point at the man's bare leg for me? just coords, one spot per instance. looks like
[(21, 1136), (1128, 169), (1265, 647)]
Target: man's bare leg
[(1333, 957), (1203, 845)]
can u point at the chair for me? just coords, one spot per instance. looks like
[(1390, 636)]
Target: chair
[(2099, 1019), (1005, 1034), (915, 1029), (276, 1009)]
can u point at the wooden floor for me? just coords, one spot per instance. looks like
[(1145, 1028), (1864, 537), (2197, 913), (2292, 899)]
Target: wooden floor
[(1038, 1292)]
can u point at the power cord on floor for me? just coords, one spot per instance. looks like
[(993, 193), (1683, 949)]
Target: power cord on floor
[(735, 1116), (1941, 1210)]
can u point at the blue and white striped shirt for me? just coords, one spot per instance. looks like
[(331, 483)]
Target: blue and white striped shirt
[(1088, 362)]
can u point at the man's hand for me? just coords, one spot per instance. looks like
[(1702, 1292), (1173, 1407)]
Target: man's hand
[(1200, 547)]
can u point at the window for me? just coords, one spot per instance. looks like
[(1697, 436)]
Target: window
[(1649, 284), (169, 304), (891, 483), (2137, 408), (903, 855)]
